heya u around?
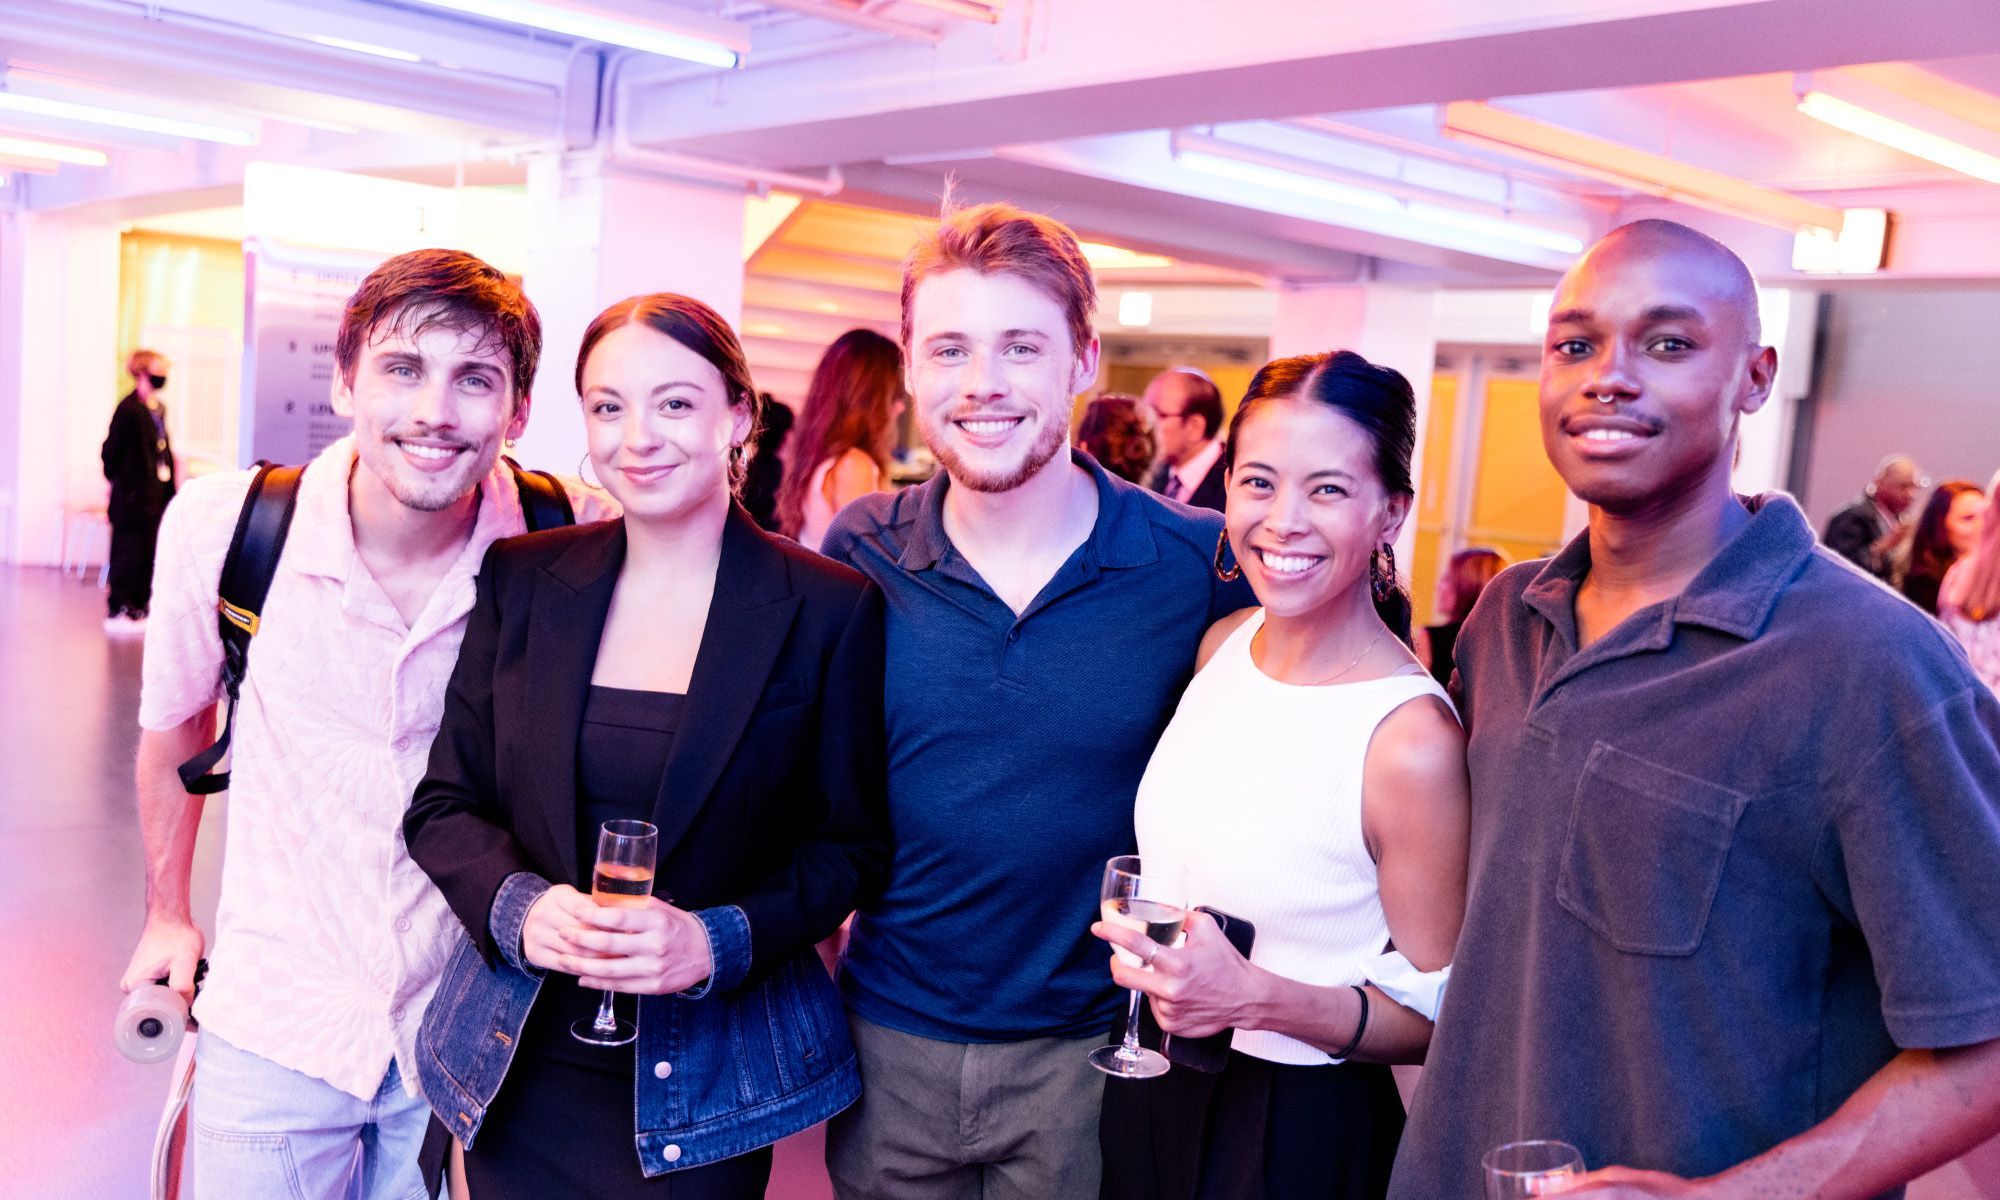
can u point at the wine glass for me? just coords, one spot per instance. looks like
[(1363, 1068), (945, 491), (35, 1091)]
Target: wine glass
[(1149, 895), (1521, 1169), (623, 879)]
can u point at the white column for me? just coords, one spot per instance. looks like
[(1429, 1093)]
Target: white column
[(1393, 326), (60, 372), (600, 233)]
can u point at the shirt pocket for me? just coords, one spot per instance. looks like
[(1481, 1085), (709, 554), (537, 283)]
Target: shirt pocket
[(1645, 853)]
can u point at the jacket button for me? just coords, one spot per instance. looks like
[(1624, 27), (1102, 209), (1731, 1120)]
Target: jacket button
[(662, 1069), (673, 1153)]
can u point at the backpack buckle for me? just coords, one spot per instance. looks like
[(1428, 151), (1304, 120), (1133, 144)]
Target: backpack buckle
[(238, 616)]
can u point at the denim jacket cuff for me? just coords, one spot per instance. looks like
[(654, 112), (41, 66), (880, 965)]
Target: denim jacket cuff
[(728, 929), (518, 893)]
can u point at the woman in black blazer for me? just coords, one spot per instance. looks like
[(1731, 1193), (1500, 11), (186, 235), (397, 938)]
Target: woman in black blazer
[(680, 666)]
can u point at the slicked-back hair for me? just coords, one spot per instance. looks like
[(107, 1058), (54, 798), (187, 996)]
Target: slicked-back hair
[(448, 289), (1378, 399), (1000, 239), (1203, 399), (699, 328)]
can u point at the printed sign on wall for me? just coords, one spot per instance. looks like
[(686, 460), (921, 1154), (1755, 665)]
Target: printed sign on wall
[(293, 302)]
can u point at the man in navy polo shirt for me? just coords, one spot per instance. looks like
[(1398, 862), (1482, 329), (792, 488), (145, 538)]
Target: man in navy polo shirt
[(1734, 882), (1043, 617)]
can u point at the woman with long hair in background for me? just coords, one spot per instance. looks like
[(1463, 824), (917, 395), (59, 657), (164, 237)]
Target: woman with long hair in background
[(843, 440), (1969, 600), (1945, 531)]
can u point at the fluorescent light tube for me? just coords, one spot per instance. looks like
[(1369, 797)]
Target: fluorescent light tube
[(339, 43), (81, 156), (1900, 136), (1343, 195), (1516, 136), (119, 118), (597, 27)]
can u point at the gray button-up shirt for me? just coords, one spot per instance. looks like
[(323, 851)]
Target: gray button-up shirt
[(1725, 861)]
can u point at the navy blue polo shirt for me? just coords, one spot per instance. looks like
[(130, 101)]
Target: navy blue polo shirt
[(1016, 745)]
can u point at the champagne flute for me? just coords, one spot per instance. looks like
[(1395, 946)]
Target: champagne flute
[(623, 879), (1148, 895), (1519, 1170)]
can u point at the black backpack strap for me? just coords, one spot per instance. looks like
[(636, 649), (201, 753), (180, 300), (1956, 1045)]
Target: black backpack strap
[(247, 570), (544, 502)]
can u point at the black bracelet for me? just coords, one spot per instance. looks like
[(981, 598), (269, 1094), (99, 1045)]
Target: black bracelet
[(1360, 1026)]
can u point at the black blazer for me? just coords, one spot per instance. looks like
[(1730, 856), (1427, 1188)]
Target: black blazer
[(773, 794), (1211, 492)]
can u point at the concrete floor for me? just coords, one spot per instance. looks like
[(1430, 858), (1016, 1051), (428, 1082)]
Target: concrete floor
[(77, 1120)]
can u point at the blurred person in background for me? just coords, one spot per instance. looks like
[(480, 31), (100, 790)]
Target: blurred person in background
[(1969, 602), (1946, 530), (765, 473), (844, 441), (1187, 414), (1859, 531), (139, 464), (1118, 432), (1465, 576)]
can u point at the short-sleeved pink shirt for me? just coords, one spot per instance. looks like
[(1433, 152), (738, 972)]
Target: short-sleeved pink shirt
[(328, 939)]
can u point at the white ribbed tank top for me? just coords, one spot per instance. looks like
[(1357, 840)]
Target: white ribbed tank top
[(1256, 787)]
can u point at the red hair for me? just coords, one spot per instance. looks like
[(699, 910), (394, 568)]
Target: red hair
[(1000, 239)]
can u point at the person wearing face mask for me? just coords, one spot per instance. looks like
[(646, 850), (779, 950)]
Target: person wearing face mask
[(678, 666), (1338, 829), (138, 458)]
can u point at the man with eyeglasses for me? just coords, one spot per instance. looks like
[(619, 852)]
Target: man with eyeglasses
[(1187, 408)]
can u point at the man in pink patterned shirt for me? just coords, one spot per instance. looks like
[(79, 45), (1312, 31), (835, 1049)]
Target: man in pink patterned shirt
[(329, 940)]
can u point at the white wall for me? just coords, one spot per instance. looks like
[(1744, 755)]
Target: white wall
[(59, 382)]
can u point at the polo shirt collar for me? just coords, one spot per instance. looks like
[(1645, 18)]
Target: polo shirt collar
[(1121, 537), (1733, 594)]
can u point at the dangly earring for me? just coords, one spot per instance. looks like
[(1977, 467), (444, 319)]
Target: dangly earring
[(1235, 570), (1382, 572)]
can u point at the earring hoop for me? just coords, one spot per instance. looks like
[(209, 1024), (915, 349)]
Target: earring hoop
[(1235, 571), (583, 472)]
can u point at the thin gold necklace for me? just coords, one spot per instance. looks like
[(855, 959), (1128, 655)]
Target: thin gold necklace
[(1365, 648)]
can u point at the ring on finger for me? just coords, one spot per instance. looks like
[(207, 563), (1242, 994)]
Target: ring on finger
[(1150, 956)]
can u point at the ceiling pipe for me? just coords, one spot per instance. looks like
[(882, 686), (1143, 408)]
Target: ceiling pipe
[(613, 134), (822, 10)]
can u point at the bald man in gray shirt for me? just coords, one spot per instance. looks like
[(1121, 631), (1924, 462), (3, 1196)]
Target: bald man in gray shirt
[(1733, 919)]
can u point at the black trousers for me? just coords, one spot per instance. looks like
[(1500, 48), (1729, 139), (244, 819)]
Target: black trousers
[(1257, 1131), (129, 574)]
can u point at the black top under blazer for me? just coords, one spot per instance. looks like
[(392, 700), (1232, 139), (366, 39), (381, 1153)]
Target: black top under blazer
[(773, 794)]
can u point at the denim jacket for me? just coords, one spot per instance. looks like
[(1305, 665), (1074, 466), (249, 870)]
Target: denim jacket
[(724, 1068)]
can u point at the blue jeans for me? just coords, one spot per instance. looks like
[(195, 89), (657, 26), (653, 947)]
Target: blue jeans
[(259, 1129)]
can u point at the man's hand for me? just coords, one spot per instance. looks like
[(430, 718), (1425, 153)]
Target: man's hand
[(1624, 1183), (167, 947), (654, 950)]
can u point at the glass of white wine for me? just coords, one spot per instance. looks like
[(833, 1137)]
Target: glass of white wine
[(1149, 895), (1521, 1169), (623, 879)]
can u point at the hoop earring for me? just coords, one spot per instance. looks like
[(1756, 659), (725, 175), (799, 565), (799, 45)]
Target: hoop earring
[(1235, 571), (583, 472), (1382, 573)]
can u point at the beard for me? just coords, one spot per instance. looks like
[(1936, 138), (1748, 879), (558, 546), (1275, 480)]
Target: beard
[(423, 492), (1052, 437)]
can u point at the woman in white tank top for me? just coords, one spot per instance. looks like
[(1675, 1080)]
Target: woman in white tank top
[(1313, 783)]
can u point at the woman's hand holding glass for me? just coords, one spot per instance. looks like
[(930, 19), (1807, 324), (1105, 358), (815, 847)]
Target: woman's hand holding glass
[(1197, 988), (650, 950), (545, 933)]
